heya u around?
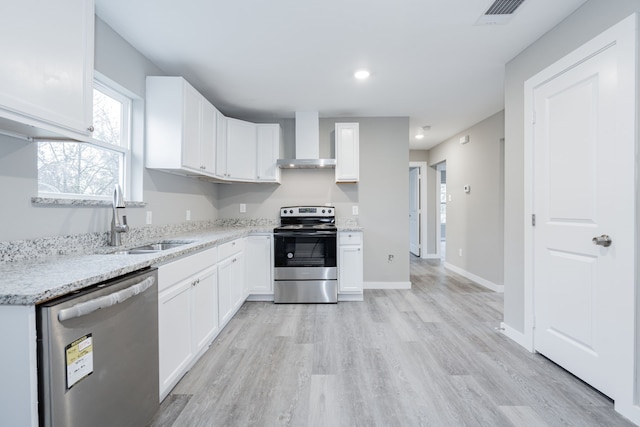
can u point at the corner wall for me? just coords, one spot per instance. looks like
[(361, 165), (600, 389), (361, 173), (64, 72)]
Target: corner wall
[(474, 219), (382, 194), (167, 196)]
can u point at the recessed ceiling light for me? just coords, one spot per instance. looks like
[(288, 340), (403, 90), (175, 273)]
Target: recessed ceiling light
[(361, 74), (420, 136)]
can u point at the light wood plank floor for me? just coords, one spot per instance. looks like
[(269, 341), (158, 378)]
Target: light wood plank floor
[(429, 356)]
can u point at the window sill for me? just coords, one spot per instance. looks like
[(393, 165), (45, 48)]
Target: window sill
[(48, 201)]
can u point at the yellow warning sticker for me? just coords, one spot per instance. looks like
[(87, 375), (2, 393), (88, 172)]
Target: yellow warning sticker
[(79, 357)]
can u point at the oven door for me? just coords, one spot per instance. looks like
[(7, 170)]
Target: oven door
[(305, 255)]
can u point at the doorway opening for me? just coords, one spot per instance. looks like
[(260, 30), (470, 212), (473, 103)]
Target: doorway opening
[(441, 239), (417, 209)]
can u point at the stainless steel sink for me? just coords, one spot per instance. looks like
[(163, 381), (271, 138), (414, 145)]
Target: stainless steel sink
[(151, 248)]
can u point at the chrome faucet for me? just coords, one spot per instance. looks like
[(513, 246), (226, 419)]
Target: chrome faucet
[(116, 227)]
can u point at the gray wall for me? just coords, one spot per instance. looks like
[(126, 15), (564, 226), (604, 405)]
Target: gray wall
[(382, 194), (474, 219), (167, 196), (588, 21)]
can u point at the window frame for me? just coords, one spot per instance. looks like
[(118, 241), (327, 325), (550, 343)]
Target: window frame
[(128, 101)]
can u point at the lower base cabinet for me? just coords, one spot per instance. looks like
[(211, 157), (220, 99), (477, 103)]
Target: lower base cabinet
[(231, 279), (187, 314), (260, 267), (350, 266)]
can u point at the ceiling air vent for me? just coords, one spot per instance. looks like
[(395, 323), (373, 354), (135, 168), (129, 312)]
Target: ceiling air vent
[(500, 12)]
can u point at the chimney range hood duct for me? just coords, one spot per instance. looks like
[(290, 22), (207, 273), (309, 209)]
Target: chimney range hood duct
[(307, 144)]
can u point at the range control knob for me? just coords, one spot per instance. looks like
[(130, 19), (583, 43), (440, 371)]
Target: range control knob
[(290, 211), (323, 211), (329, 210)]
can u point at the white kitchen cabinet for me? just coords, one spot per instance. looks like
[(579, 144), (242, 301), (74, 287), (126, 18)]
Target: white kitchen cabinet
[(221, 146), (350, 266), (259, 263), (204, 300), (241, 150), (231, 279), (268, 152), (46, 68), (347, 152), (187, 314), (181, 128)]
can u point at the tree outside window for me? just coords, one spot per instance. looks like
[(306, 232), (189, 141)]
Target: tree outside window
[(89, 170)]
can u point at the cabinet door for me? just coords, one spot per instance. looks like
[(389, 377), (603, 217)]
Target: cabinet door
[(238, 277), (259, 263), (191, 128), (241, 149), (174, 338), (221, 145), (268, 152), (225, 279), (46, 66), (350, 268), (204, 302), (347, 152), (208, 137)]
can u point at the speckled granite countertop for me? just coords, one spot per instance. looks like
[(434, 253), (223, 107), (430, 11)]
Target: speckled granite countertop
[(37, 280)]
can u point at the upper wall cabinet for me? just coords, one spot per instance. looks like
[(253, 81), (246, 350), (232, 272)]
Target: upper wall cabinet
[(181, 128), (347, 152), (268, 152), (46, 68), (241, 150)]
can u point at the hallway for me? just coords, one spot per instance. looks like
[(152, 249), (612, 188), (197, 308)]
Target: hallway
[(427, 356)]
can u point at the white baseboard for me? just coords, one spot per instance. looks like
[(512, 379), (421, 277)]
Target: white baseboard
[(479, 280), (260, 297), (387, 285), (430, 256), (515, 335), (350, 297)]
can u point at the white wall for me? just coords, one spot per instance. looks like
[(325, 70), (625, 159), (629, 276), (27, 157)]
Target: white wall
[(474, 219), (382, 194), (588, 21)]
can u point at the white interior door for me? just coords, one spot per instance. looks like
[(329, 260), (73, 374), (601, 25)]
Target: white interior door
[(581, 177), (414, 211)]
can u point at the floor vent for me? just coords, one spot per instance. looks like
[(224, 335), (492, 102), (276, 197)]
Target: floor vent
[(500, 12)]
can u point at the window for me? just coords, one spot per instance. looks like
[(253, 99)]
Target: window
[(90, 170)]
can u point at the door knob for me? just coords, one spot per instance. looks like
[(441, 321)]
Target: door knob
[(603, 240)]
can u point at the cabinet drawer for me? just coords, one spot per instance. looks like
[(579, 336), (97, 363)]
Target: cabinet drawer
[(173, 272), (350, 238), (225, 250)]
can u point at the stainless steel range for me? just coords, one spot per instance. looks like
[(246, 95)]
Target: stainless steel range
[(305, 247)]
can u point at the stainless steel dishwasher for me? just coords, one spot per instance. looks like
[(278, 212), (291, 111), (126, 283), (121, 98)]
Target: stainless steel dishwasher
[(98, 354)]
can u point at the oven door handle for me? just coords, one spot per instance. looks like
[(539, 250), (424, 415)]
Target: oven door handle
[(305, 234)]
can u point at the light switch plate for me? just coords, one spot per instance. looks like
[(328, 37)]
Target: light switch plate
[(243, 207), (149, 217), (188, 216), (354, 210)]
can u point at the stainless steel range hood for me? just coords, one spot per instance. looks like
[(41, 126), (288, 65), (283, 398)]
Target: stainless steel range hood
[(307, 144)]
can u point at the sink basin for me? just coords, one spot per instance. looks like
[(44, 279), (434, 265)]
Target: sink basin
[(151, 248)]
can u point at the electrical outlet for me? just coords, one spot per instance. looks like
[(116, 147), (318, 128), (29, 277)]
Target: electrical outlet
[(188, 215), (449, 197), (354, 210), (460, 252), (243, 207), (149, 218)]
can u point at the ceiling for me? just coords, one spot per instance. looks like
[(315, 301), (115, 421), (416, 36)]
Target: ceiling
[(255, 59)]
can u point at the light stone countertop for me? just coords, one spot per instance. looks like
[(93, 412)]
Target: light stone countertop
[(37, 280), (34, 281)]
